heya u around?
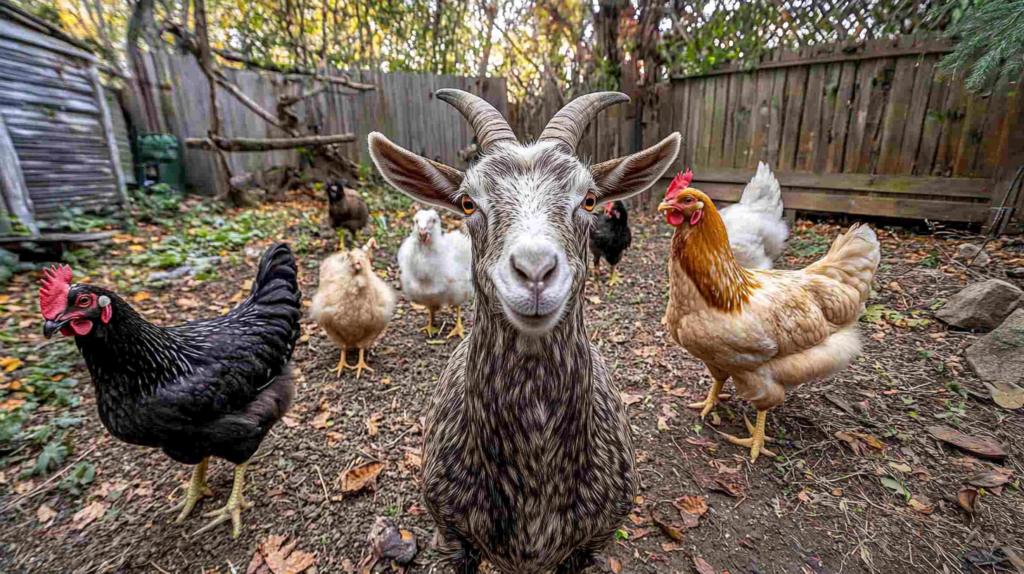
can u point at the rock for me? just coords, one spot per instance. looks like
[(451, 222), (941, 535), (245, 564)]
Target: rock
[(1017, 273), (968, 252), (982, 305), (999, 356), (168, 275)]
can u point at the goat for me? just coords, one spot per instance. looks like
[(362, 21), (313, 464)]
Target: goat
[(527, 460)]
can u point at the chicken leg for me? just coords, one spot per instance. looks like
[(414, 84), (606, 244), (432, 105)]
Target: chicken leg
[(757, 438), (342, 364), (614, 279), (197, 489), (457, 330), (233, 509), (714, 397), (430, 328), (361, 365)]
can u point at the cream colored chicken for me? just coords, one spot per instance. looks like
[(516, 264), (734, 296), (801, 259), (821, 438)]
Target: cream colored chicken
[(352, 304), (768, 330)]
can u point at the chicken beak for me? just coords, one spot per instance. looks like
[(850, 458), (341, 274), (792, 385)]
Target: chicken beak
[(51, 327), (667, 205)]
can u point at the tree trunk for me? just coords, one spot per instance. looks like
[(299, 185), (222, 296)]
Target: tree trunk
[(434, 40), (485, 58), (223, 183)]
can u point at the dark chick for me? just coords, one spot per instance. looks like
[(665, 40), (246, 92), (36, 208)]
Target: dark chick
[(610, 237), (195, 390), (347, 210)]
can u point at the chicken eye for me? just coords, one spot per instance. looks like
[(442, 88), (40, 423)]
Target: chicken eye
[(590, 201), (83, 301), (688, 200), (468, 205)]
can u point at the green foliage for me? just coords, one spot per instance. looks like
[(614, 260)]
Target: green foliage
[(50, 459), (78, 480), (808, 244), (991, 41)]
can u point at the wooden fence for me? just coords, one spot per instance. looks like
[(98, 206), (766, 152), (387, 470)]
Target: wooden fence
[(403, 108), (869, 129)]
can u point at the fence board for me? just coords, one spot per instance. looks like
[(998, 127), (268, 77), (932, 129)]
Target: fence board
[(913, 130), (896, 112), (810, 124)]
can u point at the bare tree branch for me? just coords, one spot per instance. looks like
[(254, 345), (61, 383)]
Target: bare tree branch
[(270, 144)]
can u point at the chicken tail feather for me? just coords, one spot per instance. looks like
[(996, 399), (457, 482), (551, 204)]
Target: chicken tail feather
[(852, 260), (763, 194), (277, 279)]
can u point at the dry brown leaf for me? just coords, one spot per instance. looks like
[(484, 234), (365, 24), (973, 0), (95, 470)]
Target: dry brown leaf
[(662, 424), (289, 422), (88, 515), (416, 510), (373, 423), (283, 558), (669, 547), (614, 565), (990, 479), (413, 458), (359, 478), (981, 446), (670, 530), (702, 566), (629, 399), (922, 504), (45, 514), (142, 296), (319, 422), (900, 467), (967, 497), (692, 505), (333, 438), (187, 303)]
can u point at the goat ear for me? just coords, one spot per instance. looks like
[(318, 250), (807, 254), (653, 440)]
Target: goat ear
[(424, 180), (622, 178)]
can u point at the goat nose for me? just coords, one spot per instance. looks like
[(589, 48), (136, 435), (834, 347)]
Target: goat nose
[(535, 264)]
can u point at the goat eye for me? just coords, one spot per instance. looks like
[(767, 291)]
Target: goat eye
[(590, 201), (468, 205)]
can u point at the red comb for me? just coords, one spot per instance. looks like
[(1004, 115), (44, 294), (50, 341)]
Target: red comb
[(53, 295), (681, 182)]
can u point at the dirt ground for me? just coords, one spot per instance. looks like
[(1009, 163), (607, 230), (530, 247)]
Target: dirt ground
[(821, 506)]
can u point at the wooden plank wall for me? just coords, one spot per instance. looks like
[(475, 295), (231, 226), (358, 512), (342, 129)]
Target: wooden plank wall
[(403, 108), (870, 128)]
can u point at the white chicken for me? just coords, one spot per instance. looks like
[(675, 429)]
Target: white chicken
[(435, 269), (756, 228)]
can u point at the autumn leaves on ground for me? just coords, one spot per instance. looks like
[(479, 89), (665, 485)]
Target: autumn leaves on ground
[(859, 483)]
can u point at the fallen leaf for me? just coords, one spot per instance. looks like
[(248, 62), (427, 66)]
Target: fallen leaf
[(413, 459), (283, 558), (967, 497), (990, 479), (1006, 395), (900, 467), (629, 399), (662, 424), (45, 514), (870, 440), (981, 446), (922, 504), (333, 438), (372, 423), (416, 510), (88, 515), (692, 505), (359, 478), (289, 422), (595, 300), (187, 303), (896, 486), (670, 530), (702, 566), (614, 565), (319, 422), (669, 547), (142, 296), (9, 364)]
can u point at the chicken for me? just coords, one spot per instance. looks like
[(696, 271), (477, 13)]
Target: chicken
[(352, 305), (346, 209), (195, 390), (610, 237), (757, 230), (768, 330), (435, 269)]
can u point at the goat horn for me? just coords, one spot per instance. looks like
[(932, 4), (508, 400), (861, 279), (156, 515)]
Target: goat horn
[(568, 125), (487, 122)]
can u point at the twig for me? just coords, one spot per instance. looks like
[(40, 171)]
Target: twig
[(155, 565), (269, 144), (44, 486), (327, 497)]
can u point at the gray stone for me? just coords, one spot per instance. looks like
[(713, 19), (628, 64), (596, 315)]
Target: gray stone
[(982, 305), (999, 356), (972, 255)]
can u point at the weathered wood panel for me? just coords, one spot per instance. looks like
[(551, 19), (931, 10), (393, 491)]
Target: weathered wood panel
[(840, 114)]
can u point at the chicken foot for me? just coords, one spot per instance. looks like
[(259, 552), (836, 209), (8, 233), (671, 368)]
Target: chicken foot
[(715, 396), (342, 364), (757, 439), (458, 329), (233, 509), (615, 279), (361, 365), (197, 490), (430, 328)]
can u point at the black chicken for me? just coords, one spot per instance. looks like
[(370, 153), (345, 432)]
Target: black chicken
[(610, 237), (347, 210), (195, 390)]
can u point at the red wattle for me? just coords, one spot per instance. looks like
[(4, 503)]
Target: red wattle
[(81, 326), (696, 217), (675, 218)]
